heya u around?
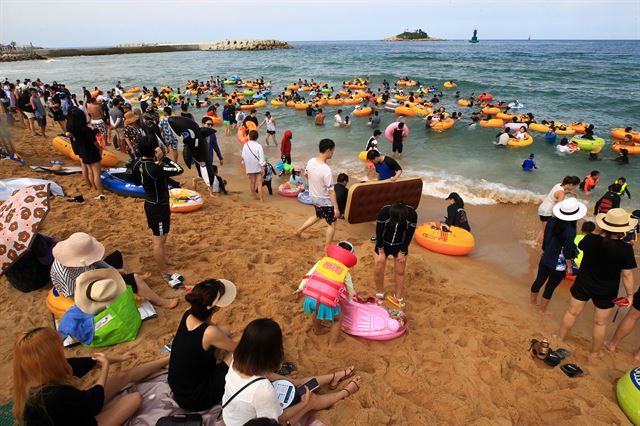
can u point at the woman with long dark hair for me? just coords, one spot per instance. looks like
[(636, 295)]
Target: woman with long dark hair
[(249, 393), (456, 214), (85, 145), (606, 260), (395, 227), (201, 350)]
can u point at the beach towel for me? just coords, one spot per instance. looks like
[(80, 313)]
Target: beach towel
[(7, 186), (157, 402)]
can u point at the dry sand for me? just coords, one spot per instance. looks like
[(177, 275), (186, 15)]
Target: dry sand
[(463, 361)]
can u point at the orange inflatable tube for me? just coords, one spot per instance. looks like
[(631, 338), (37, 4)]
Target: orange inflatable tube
[(363, 112), (444, 125)]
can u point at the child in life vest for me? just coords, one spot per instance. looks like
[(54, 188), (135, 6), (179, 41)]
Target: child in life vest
[(326, 284)]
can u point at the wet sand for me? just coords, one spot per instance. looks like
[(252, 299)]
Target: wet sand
[(463, 361)]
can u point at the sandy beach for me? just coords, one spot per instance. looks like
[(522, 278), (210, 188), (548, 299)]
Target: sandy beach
[(463, 361)]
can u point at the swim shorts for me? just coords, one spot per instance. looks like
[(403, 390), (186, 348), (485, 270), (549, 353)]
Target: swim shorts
[(391, 250), (29, 115), (158, 218), (58, 115), (326, 213), (545, 218), (42, 121), (271, 132), (600, 301), (397, 147), (225, 122)]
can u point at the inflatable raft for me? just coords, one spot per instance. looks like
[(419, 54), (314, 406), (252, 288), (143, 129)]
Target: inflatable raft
[(286, 190), (373, 322), (121, 182), (455, 242), (62, 145), (520, 142), (184, 200), (587, 144), (632, 150)]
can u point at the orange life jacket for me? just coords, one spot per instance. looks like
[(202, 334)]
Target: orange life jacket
[(326, 284)]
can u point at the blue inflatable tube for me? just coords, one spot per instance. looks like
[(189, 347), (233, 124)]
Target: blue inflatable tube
[(304, 197), (115, 181), (258, 97)]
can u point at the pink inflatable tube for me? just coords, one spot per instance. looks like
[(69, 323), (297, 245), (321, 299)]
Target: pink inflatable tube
[(388, 132)]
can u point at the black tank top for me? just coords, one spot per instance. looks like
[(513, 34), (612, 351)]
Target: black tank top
[(192, 370)]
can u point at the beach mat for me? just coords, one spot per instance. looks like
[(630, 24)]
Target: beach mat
[(366, 199), (6, 415), (60, 172)]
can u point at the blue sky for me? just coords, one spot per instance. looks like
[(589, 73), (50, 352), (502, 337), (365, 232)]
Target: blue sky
[(58, 23)]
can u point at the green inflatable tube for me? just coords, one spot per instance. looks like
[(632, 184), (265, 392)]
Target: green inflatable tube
[(588, 144), (248, 93), (229, 82), (326, 90), (628, 393)]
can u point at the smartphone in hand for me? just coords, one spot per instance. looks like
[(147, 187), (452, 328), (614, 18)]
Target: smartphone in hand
[(311, 385)]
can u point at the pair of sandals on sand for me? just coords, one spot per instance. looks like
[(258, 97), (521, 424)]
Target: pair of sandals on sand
[(541, 350), (391, 298), (287, 368), (174, 280)]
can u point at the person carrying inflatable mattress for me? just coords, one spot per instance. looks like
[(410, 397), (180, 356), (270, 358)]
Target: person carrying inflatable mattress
[(324, 286)]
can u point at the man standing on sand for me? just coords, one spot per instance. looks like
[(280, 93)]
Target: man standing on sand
[(151, 171), (323, 196), (254, 164), (395, 227)]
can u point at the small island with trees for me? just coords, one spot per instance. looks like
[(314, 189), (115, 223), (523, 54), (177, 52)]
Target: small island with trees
[(417, 35)]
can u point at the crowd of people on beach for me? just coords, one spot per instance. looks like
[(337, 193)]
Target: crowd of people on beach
[(207, 366)]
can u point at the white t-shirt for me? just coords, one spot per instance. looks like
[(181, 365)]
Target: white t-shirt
[(546, 208), (564, 149), (257, 400), (320, 181), (337, 120), (253, 157), (503, 139)]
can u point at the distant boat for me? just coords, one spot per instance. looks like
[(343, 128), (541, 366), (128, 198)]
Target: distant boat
[(529, 38), (474, 39)]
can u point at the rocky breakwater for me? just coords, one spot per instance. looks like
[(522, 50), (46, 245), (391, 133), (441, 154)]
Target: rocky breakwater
[(245, 45), (18, 55)]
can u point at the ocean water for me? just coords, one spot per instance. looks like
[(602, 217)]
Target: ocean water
[(592, 81)]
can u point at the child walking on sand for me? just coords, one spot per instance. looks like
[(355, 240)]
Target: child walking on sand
[(325, 285)]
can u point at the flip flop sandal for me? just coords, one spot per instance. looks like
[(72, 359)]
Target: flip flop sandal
[(174, 280), (399, 303), (553, 359), (346, 376), (348, 391), (286, 368), (563, 353), (571, 370)]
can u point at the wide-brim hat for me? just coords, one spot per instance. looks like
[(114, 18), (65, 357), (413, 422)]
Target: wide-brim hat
[(616, 220), (97, 289), (229, 295), (79, 249), (570, 209), (130, 118)]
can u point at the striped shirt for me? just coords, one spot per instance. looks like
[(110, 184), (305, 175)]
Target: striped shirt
[(64, 278)]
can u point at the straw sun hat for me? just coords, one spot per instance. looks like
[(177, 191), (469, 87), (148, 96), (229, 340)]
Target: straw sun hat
[(616, 220), (97, 289), (130, 118), (79, 249), (569, 209)]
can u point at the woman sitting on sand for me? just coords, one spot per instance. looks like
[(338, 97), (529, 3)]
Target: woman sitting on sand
[(249, 393), (606, 260), (558, 250), (201, 351), (81, 253), (46, 393)]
